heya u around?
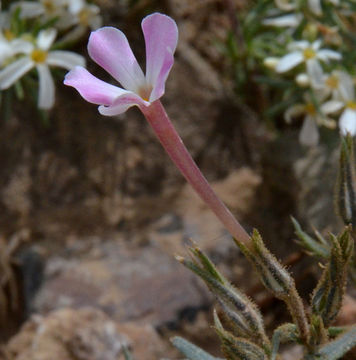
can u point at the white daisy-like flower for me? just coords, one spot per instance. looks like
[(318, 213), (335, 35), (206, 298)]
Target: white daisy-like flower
[(38, 55), (344, 101), (313, 116), (310, 54), (82, 16), (10, 46), (337, 84), (47, 9)]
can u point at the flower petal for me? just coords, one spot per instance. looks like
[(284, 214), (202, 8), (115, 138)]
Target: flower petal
[(315, 72), (285, 5), (309, 134), (316, 45), (346, 86), (11, 73), (46, 38), (331, 106), (46, 87), (327, 54), (65, 59), (122, 103), (161, 37), (298, 45), (347, 122), (109, 48), (290, 20), (91, 88), (20, 46), (315, 7), (289, 61), (74, 6), (29, 9)]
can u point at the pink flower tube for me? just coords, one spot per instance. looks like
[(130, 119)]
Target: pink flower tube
[(109, 48)]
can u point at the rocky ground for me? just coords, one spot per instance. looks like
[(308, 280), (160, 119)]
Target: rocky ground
[(93, 211)]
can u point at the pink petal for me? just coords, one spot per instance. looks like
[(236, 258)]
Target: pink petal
[(109, 48), (91, 88), (161, 37), (122, 103)]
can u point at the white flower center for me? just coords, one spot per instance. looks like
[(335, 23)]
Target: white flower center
[(9, 35), (145, 93), (332, 81), (39, 56), (310, 109), (351, 105), (309, 53), (49, 6), (83, 17)]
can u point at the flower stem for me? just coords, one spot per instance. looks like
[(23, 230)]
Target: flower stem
[(173, 144)]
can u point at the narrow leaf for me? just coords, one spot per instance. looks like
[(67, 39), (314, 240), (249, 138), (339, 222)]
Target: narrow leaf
[(192, 352)]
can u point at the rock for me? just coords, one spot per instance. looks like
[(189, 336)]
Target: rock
[(85, 334), (128, 283)]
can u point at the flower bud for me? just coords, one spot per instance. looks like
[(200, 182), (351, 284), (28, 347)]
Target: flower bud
[(270, 62), (302, 80)]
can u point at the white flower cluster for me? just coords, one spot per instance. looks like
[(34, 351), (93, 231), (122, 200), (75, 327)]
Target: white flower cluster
[(326, 85), (28, 33)]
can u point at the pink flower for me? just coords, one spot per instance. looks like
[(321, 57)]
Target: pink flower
[(109, 48)]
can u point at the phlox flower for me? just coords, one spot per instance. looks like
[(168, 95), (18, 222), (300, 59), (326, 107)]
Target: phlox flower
[(313, 116), (310, 54), (109, 48), (38, 55)]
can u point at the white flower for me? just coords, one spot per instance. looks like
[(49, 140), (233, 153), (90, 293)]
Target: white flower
[(46, 9), (313, 116), (336, 84), (310, 54), (345, 100), (38, 56), (10, 46), (82, 16)]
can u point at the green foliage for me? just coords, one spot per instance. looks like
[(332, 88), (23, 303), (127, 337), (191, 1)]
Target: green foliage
[(191, 351), (244, 337)]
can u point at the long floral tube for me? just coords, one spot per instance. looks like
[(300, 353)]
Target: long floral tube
[(173, 144)]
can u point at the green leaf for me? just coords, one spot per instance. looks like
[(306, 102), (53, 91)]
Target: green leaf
[(192, 352), (310, 244), (340, 346)]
